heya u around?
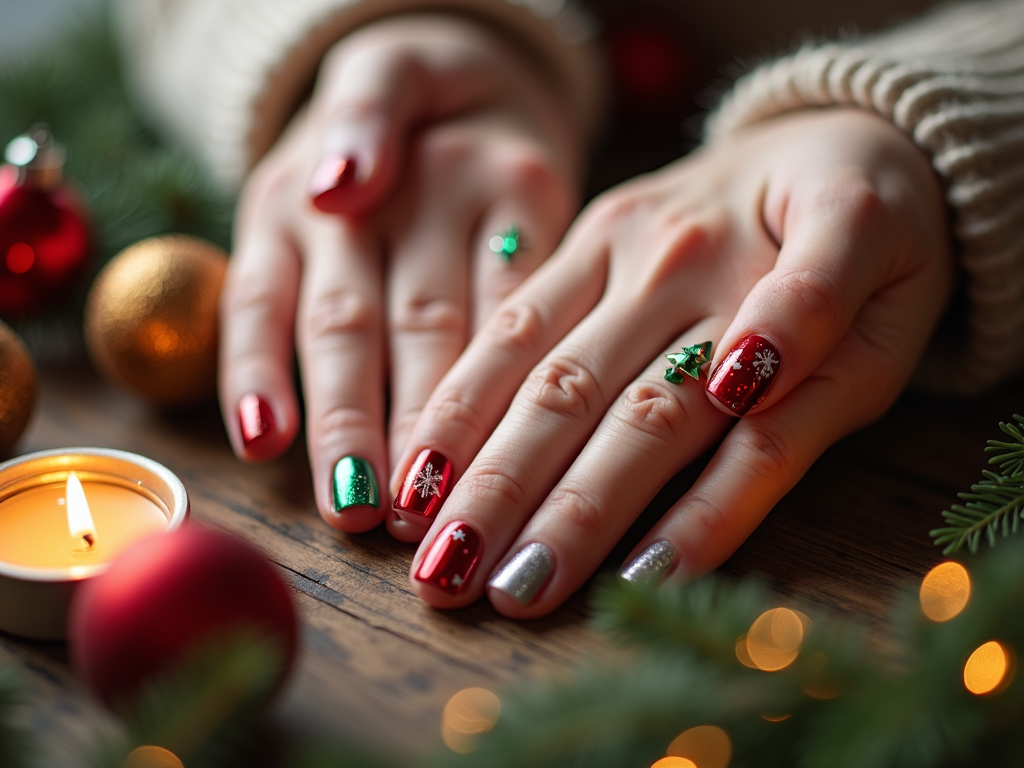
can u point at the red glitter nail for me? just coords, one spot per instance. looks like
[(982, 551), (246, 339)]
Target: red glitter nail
[(425, 485), (333, 176), (742, 379), (452, 558), (254, 418)]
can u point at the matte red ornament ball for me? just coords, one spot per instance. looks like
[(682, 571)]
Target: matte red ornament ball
[(44, 244), (167, 595)]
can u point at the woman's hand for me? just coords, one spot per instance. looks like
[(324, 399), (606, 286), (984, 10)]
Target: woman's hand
[(363, 237), (812, 250)]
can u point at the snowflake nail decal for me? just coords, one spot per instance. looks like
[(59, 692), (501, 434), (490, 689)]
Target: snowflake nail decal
[(764, 363), (428, 482)]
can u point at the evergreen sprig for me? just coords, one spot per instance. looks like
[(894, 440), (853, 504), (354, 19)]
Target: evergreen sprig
[(994, 507), (134, 184), (202, 707), (16, 745)]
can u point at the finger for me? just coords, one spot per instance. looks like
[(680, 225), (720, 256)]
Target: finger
[(427, 293), (835, 254), (764, 456), (521, 228), (368, 101), (341, 354), (548, 423), (256, 349), (654, 428), (471, 399)]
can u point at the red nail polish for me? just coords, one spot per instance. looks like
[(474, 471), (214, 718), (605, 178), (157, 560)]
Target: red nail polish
[(452, 558), (425, 485), (334, 174), (254, 417), (742, 379)]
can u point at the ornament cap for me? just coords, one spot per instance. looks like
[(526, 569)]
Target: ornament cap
[(39, 160)]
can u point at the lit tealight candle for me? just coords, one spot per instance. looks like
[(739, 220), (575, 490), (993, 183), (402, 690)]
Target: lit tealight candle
[(64, 515)]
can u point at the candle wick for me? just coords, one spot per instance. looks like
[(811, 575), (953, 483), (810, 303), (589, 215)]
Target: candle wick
[(89, 540)]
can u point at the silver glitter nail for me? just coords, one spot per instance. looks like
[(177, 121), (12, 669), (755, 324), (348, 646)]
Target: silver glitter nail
[(524, 575), (651, 565)]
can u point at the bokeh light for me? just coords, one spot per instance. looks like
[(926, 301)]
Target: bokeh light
[(152, 757), (945, 591), (674, 762), (707, 746), (741, 652), (467, 714), (774, 639), (986, 670), (776, 718)]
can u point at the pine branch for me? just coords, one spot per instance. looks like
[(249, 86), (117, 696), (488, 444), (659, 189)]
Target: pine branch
[(202, 708), (16, 745), (994, 506)]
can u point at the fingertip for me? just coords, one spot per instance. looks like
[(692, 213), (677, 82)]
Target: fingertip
[(405, 530), (356, 519), (261, 433)]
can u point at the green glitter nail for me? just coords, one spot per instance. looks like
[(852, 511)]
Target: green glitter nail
[(354, 484)]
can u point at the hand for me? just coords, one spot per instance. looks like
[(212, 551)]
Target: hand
[(454, 137), (821, 234)]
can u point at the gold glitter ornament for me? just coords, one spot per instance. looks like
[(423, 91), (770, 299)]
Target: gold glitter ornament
[(151, 319), (17, 387)]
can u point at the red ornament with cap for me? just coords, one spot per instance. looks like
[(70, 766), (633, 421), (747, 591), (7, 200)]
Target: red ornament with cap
[(44, 238)]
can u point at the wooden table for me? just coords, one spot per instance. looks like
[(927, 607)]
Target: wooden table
[(378, 664)]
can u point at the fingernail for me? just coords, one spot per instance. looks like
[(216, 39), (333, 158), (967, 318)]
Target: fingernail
[(354, 484), (525, 574), (651, 566), (254, 418), (425, 485), (334, 174), (742, 379), (452, 558)]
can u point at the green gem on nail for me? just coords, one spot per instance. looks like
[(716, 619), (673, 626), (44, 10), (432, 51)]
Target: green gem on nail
[(354, 484), (507, 243)]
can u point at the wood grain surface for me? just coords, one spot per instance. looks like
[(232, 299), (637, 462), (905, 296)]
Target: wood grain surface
[(378, 665)]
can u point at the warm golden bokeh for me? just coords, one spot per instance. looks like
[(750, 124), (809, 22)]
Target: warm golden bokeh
[(945, 591), (467, 714), (674, 762), (152, 757), (986, 670), (708, 746), (741, 652), (776, 718), (774, 639)]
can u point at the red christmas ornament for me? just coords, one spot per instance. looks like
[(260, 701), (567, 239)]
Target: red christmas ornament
[(44, 240), (168, 595)]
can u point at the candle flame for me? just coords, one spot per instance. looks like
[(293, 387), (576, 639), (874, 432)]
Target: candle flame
[(79, 518)]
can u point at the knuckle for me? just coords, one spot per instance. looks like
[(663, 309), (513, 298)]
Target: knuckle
[(516, 326), (576, 507), (681, 242), (429, 313), (818, 298), (443, 152), (337, 313), (564, 387), (714, 521), (654, 410), (335, 426), (454, 409), (490, 483), (767, 455), (248, 293)]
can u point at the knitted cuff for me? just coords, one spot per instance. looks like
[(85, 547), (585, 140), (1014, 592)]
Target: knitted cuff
[(954, 82), (224, 76)]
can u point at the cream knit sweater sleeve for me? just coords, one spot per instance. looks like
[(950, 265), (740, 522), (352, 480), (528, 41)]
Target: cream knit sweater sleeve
[(954, 82), (222, 77)]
